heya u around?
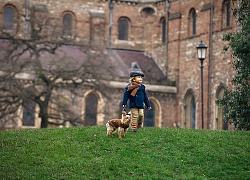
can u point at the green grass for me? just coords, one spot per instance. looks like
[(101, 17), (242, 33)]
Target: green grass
[(150, 153)]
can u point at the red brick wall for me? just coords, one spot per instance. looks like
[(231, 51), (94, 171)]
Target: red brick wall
[(145, 34)]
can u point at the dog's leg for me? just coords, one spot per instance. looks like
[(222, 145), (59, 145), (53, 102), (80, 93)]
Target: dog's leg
[(119, 132), (114, 129), (125, 131), (107, 126), (110, 130), (109, 133)]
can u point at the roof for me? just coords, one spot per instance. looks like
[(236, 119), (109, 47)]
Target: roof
[(123, 59), (114, 64)]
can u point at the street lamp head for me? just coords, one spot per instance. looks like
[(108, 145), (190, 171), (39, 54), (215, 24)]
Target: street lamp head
[(201, 50), (111, 5)]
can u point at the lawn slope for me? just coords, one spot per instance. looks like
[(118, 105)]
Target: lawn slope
[(150, 153)]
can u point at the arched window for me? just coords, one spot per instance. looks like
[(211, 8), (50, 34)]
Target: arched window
[(192, 22), (149, 116), (163, 30), (28, 113), (193, 112), (123, 26), (189, 111), (67, 24), (226, 13), (220, 121), (147, 11), (91, 110), (8, 17)]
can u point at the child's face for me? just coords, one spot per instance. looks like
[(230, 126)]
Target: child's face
[(138, 79)]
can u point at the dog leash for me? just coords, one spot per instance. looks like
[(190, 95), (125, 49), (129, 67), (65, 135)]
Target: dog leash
[(124, 109)]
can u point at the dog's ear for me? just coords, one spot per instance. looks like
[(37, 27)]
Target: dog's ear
[(124, 113)]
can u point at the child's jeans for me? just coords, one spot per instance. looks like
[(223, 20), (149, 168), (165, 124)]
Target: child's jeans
[(137, 118)]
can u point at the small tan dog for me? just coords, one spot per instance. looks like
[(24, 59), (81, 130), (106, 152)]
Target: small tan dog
[(121, 124)]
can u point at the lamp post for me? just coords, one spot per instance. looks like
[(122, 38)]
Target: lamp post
[(201, 52), (111, 8)]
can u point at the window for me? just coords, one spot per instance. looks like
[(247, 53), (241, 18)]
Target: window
[(8, 18), (149, 120), (190, 111), (192, 22), (163, 30), (220, 121), (67, 24), (91, 110), (226, 13), (28, 113), (123, 25), (147, 11)]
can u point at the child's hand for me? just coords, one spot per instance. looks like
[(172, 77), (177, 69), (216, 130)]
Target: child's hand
[(149, 108)]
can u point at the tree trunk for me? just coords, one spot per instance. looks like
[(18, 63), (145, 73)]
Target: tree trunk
[(44, 122), (44, 117)]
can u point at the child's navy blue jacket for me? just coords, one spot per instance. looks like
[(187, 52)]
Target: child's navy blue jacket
[(138, 100)]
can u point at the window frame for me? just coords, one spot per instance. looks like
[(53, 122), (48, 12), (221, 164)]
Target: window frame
[(68, 27), (163, 30), (190, 110), (8, 18), (192, 22), (91, 110), (123, 29), (226, 14), (29, 108)]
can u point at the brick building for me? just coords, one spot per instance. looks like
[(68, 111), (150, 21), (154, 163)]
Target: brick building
[(151, 35)]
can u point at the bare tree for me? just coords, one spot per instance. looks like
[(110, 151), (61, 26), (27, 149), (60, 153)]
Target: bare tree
[(33, 70)]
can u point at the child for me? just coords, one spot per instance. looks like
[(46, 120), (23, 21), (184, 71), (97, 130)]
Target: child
[(135, 91)]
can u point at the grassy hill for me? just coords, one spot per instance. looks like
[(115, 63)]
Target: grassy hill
[(150, 153)]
